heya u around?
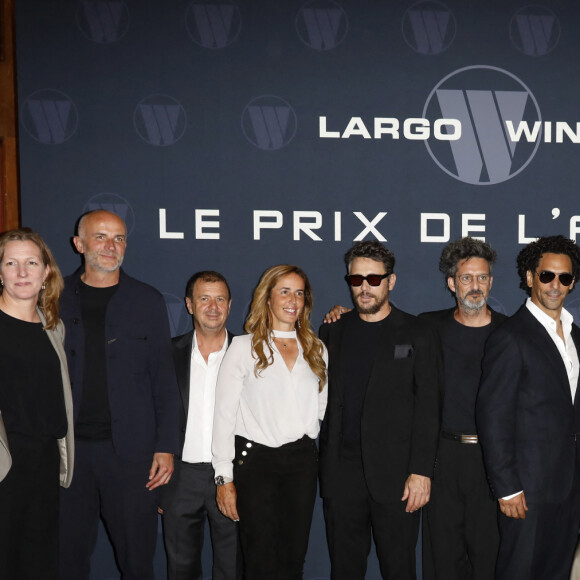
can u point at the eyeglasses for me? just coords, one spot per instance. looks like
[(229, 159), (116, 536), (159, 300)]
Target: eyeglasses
[(372, 279), (546, 277), (466, 279)]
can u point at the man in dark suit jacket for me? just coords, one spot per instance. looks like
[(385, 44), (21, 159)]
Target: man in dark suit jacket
[(528, 418), (190, 497), (379, 436), (125, 402)]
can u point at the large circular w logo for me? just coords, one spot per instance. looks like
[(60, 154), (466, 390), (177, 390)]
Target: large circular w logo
[(501, 124)]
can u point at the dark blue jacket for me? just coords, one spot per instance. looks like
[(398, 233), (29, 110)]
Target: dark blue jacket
[(527, 423), (142, 388)]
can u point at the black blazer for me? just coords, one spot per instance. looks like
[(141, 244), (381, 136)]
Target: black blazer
[(526, 420), (182, 346), (401, 411)]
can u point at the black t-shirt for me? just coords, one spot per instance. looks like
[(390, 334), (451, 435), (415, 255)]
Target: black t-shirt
[(31, 393), (94, 419), (462, 353), (360, 343)]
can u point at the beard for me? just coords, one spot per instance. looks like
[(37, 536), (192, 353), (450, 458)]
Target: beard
[(371, 308), (92, 259), (473, 306)]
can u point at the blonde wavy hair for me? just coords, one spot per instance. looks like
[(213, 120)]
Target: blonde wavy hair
[(259, 323), (54, 284)]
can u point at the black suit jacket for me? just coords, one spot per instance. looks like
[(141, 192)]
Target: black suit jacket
[(526, 419), (182, 346), (401, 411)]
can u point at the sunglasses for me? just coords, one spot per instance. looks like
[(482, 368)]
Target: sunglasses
[(546, 277), (372, 279)]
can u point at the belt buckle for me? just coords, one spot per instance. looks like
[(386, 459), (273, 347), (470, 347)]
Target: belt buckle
[(470, 439)]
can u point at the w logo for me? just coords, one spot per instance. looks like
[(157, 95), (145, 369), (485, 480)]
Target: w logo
[(482, 98), (321, 24), (103, 22), (115, 204), (535, 30), (269, 122), (160, 120), (213, 25), (179, 319), (429, 27), (49, 117)]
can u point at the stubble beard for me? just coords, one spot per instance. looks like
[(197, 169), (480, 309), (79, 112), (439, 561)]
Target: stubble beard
[(373, 308)]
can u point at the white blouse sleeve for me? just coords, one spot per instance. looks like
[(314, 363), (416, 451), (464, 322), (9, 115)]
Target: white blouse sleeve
[(323, 395), (230, 382)]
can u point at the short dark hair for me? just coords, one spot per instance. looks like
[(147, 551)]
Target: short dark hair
[(464, 249), (373, 250), (529, 258), (206, 276)]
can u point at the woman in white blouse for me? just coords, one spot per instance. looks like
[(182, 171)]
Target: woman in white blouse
[(270, 397)]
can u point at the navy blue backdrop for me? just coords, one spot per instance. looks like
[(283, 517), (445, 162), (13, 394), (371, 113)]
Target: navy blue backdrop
[(237, 134)]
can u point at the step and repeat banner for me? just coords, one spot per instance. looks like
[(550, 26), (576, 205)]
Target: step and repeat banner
[(237, 134)]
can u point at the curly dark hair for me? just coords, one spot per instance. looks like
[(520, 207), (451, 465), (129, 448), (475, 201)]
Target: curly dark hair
[(529, 258), (464, 249), (373, 250)]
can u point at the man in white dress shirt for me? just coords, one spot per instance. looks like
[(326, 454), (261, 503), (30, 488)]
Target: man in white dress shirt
[(528, 418), (190, 499)]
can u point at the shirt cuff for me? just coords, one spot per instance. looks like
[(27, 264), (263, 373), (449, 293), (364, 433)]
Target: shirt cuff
[(512, 495)]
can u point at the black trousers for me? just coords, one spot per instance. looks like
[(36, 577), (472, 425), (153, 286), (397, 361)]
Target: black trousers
[(540, 547), (352, 515), (276, 490), (460, 527), (188, 500), (29, 510), (104, 485)]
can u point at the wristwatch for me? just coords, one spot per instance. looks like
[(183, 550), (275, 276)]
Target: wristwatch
[(221, 480)]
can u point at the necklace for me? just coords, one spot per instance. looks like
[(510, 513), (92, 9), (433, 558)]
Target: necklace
[(282, 336)]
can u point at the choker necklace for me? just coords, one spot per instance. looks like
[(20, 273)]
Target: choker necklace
[(283, 336)]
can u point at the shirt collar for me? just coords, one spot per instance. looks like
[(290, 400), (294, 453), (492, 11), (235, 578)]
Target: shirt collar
[(547, 321), (196, 349)]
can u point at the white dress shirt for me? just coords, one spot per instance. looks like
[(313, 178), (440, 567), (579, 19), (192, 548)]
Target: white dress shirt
[(566, 348), (277, 407), (202, 386)]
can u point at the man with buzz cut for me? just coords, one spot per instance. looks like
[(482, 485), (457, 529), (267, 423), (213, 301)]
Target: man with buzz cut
[(125, 399), (379, 436), (528, 418), (460, 532), (189, 500)]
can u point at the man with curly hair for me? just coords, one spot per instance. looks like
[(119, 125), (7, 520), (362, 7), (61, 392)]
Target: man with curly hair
[(528, 418), (460, 532)]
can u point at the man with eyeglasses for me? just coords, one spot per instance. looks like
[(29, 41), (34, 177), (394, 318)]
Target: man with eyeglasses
[(379, 436), (460, 532), (528, 418)]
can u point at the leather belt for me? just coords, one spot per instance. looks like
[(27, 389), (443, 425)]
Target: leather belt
[(470, 439)]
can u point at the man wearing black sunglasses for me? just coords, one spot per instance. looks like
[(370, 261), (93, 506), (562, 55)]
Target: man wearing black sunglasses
[(528, 418), (379, 436)]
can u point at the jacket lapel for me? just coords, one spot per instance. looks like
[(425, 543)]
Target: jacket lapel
[(540, 337), (182, 359)]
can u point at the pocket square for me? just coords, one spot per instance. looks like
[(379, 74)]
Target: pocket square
[(403, 351)]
